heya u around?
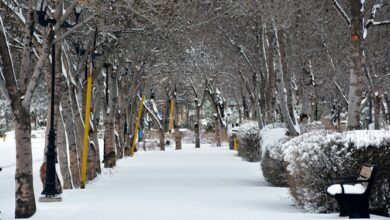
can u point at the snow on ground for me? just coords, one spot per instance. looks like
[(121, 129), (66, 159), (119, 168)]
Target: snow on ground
[(201, 184)]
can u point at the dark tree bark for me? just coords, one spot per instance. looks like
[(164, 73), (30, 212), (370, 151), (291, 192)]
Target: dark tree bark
[(109, 134), (271, 86)]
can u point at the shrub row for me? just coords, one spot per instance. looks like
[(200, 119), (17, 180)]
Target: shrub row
[(307, 163), (316, 157)]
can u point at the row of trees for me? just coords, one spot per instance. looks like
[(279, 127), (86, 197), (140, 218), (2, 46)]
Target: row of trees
[(261, 58)]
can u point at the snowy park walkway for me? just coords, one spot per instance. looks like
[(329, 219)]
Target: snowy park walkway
[(192, 184)]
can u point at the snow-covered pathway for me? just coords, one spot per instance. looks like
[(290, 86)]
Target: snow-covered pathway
[(202, 184)]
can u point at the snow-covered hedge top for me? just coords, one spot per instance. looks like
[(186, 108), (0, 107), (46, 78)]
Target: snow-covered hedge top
[(248, 128), (272, 138), (310, 144), (367, 138)]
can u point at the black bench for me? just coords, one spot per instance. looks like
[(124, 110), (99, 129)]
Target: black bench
[(353, 193)]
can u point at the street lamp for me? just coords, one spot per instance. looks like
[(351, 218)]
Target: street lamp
[(50, 191)]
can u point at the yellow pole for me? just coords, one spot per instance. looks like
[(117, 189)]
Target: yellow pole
[(235, 144), (171, 115), (86, 130), (137, 126)]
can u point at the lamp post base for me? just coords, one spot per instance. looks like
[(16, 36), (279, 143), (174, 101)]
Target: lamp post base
[(50, 199)]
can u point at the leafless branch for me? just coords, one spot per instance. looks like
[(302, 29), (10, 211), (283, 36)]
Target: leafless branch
[(342, 12)]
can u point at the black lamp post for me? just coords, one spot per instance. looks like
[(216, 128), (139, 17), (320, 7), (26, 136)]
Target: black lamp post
[(50, 190)]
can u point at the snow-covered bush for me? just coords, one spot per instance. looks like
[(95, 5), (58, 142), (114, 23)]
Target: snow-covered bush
[(272, 163), (316, 157), (313, 126), (249, 141)]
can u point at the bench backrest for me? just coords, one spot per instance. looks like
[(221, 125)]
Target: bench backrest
[(368, 173)]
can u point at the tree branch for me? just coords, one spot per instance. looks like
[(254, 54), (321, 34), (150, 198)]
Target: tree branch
[(3, 88), (342, 12), (7, 65), (70, 31), (340, 91), (65, 16), (37, 70), (247, 85), (155, 118), (371, 20)]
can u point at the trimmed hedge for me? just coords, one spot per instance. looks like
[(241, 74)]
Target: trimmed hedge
[(249, 141), (274, 170), (316, 157), (272, 164)]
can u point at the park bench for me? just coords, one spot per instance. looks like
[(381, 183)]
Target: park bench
[(353, 193)]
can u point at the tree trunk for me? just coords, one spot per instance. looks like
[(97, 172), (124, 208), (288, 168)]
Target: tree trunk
[(166, 118), (271, 78), (95, 139), (91, 159), (387, 100), (177, 127), (120, 117), (239, 109), (307, 87), (78, 123), (246, 107), (161, 136), (63, 153), (377, 113), (118, 128), (6, 116), (109, 133), (24, 189), (129, 115), (25, 199), (98, 106), (265, 79), (287, 76), (217, 124), (357, 62), (197, 124), (282, 91), (259, 113), (73, 155), (217, 132), (59, 124)]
